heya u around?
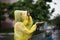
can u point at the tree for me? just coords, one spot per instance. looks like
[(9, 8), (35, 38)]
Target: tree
[(39, 10), (56, 22)]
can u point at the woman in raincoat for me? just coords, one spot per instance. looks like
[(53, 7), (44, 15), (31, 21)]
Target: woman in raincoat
[(24, 27)]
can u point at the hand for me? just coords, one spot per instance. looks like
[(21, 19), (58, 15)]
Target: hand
[(38, 23)]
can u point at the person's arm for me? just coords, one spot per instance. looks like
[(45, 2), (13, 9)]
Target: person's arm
[(33, 28), (28, 22), (24, 29)]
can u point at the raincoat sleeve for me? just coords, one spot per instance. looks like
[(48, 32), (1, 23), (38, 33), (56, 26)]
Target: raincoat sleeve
[(22, 28)]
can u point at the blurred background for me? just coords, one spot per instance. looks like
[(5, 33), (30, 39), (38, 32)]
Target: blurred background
[(40, 10)]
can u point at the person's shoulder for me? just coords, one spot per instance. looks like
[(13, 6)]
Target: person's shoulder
[(30, 17)]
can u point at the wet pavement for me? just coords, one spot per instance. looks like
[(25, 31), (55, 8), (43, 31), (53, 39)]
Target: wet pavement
[(56, 35), (10, 36), (6, 36)]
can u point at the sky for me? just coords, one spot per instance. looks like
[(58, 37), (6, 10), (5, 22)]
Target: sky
[(57, 7)]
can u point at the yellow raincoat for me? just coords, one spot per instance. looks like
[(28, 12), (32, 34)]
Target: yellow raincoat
[(23, 27)]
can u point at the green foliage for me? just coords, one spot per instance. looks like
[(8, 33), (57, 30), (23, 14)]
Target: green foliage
[(9, 9), (56, 21), (48, 0), (39, 10)]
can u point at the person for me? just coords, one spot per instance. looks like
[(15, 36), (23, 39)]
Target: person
[(49, 38), (24, 28), (6, 22)]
